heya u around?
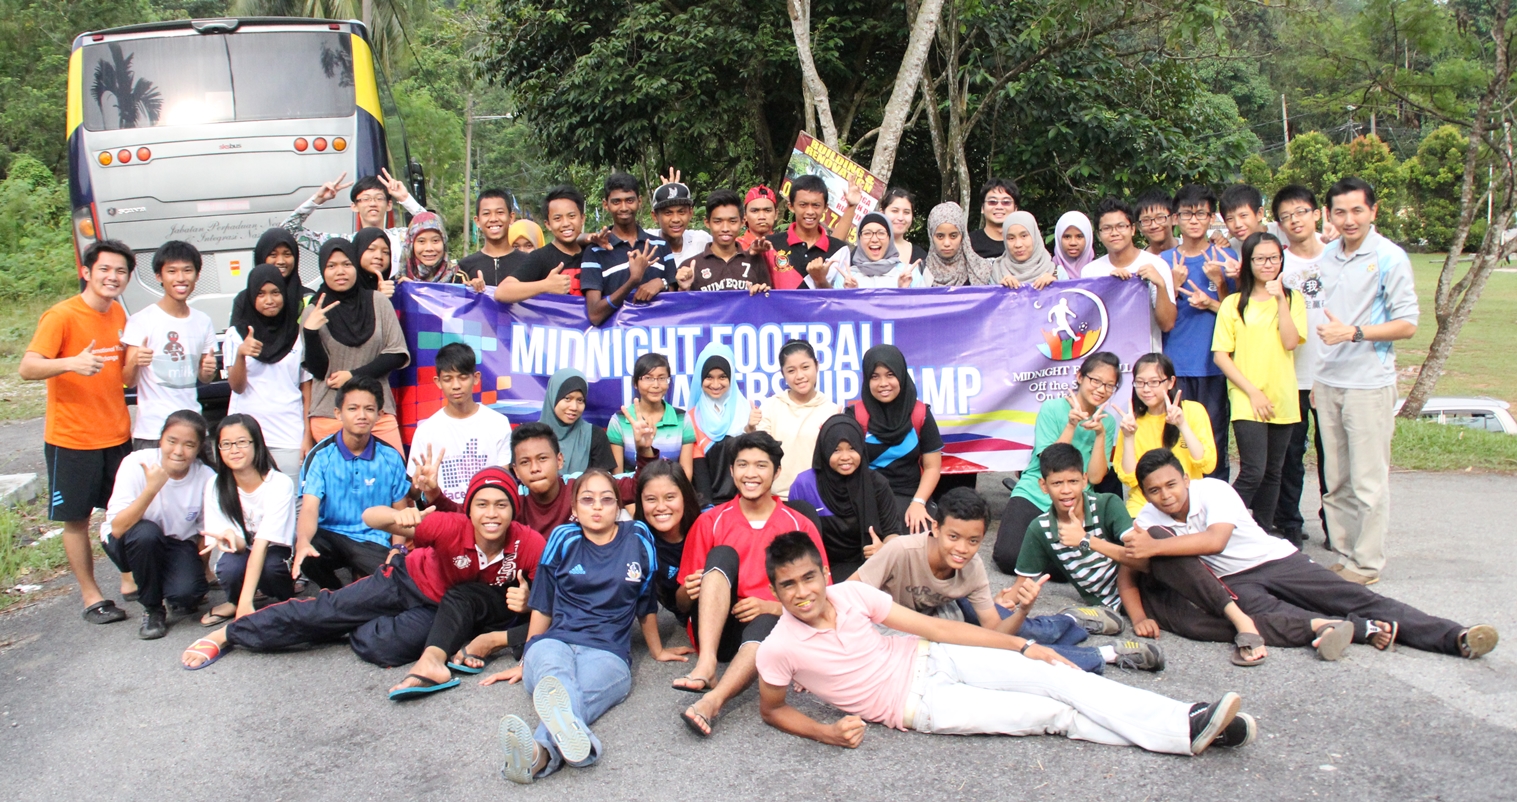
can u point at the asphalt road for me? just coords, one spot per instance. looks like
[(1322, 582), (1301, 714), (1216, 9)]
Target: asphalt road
[(93, 712)]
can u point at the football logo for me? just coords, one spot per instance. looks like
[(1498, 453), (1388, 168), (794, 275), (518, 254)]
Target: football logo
[(1079, 325)]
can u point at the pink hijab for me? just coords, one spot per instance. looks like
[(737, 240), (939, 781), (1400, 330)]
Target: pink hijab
[(1072, 267)]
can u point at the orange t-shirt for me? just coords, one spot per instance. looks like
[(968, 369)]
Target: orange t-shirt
[(84, 413)]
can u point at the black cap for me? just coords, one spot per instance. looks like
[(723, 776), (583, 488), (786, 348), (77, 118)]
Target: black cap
[(672, 195)]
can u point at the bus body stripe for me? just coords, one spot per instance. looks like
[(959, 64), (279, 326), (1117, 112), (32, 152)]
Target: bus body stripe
[(365, 91), (74, 115)]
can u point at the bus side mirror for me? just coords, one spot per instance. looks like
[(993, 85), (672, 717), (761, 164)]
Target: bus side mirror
[(418, 178)]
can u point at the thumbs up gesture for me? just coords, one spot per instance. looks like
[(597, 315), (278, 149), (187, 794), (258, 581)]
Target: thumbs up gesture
[(87, 363), (1335, 331), (516, 595), (477, 283), (755, 417), (251, 346), (144, 354), (874, 544), (557, 283), (410, 517), (1027, 592)]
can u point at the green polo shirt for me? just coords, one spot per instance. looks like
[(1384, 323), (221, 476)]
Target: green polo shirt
[(1092, 573)]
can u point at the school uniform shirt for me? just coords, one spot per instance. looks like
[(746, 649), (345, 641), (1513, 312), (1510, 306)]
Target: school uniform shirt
[(1092, 573), (1150, 435), (605, 269), (273, 392), (1213, 501), (84, 413), (541, 261), (1305, 276), (726, 525), (178, 508), (901, 463), (346, 484), (1052, 417), (713, 273), (1104, 267), (844, 543), (672, 433), (269, 512), (1254, 340), (985, 246), (796, 425), (792, 255), (1188, 344), (494, 268), (467, 445), (444, 553), (901, 569), (595, 594), (1373, 285), (168, 384), (692, 244), (855, 667)]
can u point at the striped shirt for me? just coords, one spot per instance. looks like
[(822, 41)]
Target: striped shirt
[(674, 431), (346, 484), (1092, 573)]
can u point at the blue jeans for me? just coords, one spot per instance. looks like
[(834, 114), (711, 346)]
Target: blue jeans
[(596, 681), (1058, 632)]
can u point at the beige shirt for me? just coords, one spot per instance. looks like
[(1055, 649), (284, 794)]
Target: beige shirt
[(900, 568), (388, 339), (796, 426)]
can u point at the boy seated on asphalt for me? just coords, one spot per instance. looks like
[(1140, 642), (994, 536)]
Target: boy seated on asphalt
[(1295, 601), (388, 615), (950, 678), (734, 607), (939, 573)]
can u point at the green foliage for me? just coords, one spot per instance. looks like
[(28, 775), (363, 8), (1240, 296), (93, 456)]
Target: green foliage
[(1310, 164), (36, 256), (1434, 178), (1255, 171), (1316, 162)]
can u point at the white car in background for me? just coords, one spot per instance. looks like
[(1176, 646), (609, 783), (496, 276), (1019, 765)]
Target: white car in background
[(1481, 413)]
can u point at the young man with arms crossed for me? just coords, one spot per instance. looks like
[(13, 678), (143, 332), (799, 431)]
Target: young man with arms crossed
[(555, 267), (343, 475), (951, 678), (998, 198), (1115, 225), (1295, 209), (939, 573), (722, 266), (77, 350), (465, 436), (373, 197), (805, 255), (1156, 220), (722, 567), (1305, 602), (496, 258), (1369, 302), (625, 261), (170, 347), (1198, 267)]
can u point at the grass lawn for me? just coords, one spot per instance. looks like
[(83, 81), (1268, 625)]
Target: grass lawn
[(1484, 361), (26, 557), (19, 400)]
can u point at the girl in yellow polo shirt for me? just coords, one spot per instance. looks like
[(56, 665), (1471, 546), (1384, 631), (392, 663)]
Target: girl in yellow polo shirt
[(1160, 418), (1257, 329)]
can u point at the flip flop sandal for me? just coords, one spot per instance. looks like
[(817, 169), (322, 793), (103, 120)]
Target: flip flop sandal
[(1392, 629), (1333, 640), (465, 668), (427, 686), (706, 684), (695, 720), (213, 618), (517, 743), (131, 597), (104, 612), (209, 650), (551, 699), (1247, 640)]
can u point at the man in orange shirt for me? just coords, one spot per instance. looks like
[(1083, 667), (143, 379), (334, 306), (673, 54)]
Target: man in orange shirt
[(77, 350)]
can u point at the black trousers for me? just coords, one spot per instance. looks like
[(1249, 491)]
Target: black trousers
[(1018, 515), (386, 617), (735, 633), (1211, 392), (1261, 453), (165, 568), (472, 608), (361, 557), (1288, 518), (274, 580)]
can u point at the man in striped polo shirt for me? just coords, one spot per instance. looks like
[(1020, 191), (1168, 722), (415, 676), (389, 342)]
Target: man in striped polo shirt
[(342, 476)]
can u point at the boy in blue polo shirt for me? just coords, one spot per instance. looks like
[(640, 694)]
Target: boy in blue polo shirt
[(342, 476), (624, 260)]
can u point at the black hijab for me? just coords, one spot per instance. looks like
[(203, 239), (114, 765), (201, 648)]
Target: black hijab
[(361, 242), (267, 242), (846, 496), (352, 321), (889, 423), (277, 333)]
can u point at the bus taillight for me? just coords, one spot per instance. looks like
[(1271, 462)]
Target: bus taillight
[(123, 156), (301, 144), (87, 228), (143, 154), (320, 144), (339, 144), (106, 159)]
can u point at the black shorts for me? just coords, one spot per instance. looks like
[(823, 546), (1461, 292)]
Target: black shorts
[(80, 481), (735, 633)]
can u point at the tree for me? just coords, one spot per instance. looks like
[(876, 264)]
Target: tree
[(1433, 181)]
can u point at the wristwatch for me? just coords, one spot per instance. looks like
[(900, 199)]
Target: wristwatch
[(1085, 543), (1026, 645), (1358, 334)]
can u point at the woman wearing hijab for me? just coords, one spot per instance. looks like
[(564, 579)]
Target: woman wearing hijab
[(371, 246), (349, 331), (903, 444), (582, 445), (525, 236), (856, 510), (263, 354), (950, 260), (877, 259), (426, 253), (719, 412), (1026, 260), (277, 247), (1074, 247)]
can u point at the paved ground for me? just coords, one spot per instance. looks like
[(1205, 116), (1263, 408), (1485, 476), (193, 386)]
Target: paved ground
[(89, 712)]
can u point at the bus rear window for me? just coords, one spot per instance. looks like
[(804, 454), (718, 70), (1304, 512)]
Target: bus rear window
[(192, 80)]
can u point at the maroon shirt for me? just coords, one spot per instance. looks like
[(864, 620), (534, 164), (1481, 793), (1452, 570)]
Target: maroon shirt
[(446, 555)]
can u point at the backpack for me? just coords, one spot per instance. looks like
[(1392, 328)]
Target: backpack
[(918, 416)]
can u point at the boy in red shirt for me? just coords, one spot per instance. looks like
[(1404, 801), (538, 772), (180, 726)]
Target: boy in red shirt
[(723, 567)]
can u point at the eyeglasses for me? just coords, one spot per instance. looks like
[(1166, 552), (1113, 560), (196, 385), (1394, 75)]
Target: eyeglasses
[(235, 445), (597, 501), (872, 235), (1298, 214), (1194, 215), (1000, 202), (1267, 261), (654, 379), (1149, 384), (1115, 229), (1097, 384), (373, 197), (1153, 220)]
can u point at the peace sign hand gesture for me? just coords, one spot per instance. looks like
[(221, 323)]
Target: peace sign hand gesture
[(638, 260), (397, 189), (1128, 422), (330, 189), (316, 315), (1174, 414), (673, 177), (1077, 414)]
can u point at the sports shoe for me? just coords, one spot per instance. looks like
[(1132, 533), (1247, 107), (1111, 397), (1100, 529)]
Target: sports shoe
[(1240, 732), (1208, 721), (1138, 656), (554, 708), (520, 749), (1477, 640), (1095, 620), (154, 625)]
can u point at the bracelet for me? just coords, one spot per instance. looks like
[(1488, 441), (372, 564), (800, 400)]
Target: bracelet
[(915, 500), (1025, 646)]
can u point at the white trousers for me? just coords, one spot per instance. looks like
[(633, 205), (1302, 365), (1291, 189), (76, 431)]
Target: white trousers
[(968, 690)]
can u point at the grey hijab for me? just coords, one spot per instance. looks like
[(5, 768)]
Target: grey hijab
[(888, 261), (1038, 263)]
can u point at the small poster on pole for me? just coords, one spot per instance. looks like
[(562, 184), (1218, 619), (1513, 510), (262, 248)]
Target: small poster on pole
[(812, 157)]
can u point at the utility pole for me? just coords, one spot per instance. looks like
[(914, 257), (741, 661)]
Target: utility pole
[(367, 17), (1285, 124), (468, 162)]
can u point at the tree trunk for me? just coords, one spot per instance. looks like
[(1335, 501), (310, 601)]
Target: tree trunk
[(893, 124), (800, 24)]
